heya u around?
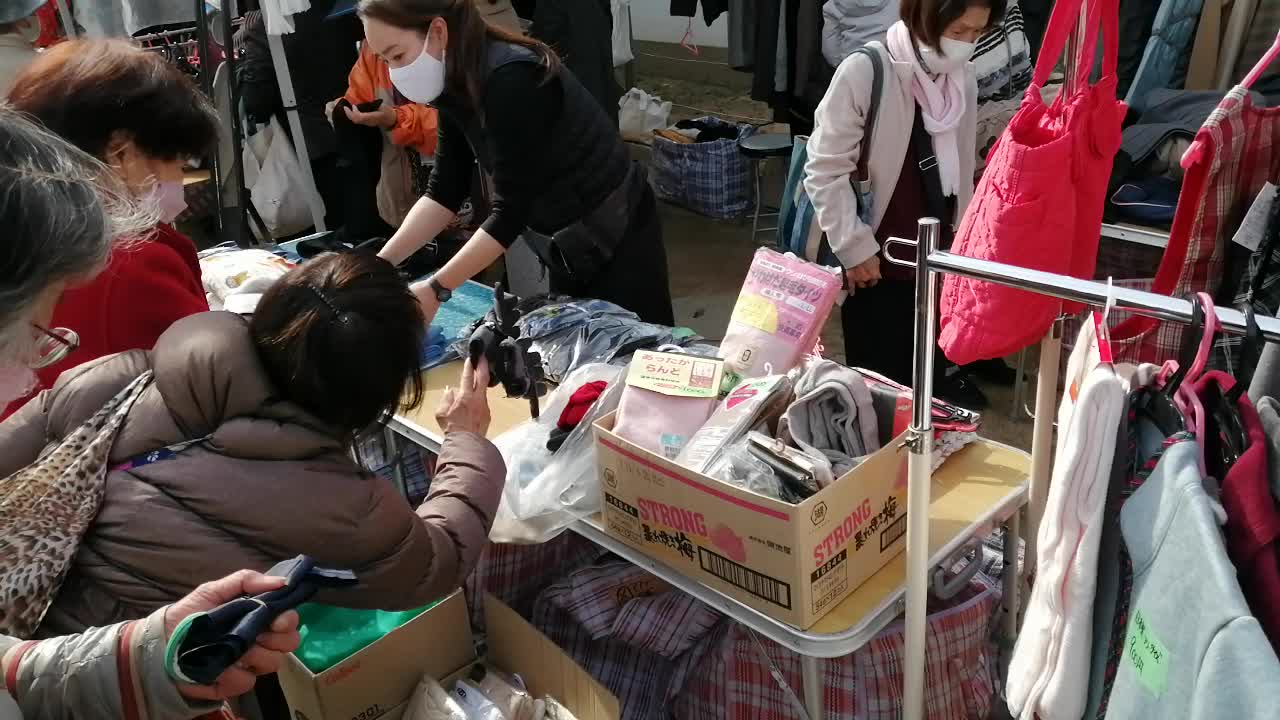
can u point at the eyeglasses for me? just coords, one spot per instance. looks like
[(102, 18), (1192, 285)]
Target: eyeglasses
[(56, 344)]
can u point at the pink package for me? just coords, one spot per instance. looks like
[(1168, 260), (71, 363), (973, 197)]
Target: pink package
[(661, 424), (782, 308)]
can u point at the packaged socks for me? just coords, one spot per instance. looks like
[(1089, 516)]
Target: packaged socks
[(783, 305), (667, 399)]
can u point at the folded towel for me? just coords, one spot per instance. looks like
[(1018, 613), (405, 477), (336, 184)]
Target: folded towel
[(833, 416)]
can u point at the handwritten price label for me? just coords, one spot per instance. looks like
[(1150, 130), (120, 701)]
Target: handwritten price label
[(1147, 655)]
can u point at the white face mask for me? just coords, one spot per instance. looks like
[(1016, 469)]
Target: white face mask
[(954, 54), (421, 80)]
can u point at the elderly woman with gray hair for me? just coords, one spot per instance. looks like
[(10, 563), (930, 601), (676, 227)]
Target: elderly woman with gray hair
[(60, 210)]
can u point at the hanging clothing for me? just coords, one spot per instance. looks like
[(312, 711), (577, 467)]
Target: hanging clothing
[(128, 17), (1181, 649), (1266, 378), (1269, 415), (711, 9), (1050, 663), (1261, 35), (1238, 154), (1136, 20), (1171, 33), (1002, 60), (849, 24), (1253, 523), (742, 34), (581, 31)]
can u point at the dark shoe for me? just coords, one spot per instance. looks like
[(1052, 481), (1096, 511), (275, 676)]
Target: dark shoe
[(994, 371), (959, 389)]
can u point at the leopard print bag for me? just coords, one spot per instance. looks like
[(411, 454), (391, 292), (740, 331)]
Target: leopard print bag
[(45, 509)]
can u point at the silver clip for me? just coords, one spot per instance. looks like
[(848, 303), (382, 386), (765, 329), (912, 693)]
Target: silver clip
[(913, 244)]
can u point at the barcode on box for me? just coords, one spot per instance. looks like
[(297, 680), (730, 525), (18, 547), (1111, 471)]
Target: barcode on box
[(895, 530), (762, 586)]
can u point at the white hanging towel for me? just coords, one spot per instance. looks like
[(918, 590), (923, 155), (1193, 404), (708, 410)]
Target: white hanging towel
[(279, 14)]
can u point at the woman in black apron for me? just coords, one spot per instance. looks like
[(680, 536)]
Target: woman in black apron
[(559, 173)]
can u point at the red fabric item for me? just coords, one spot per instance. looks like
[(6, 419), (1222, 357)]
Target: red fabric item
[(1253, 522), (579, 403), (1039, 202), (1240, 150), (145, 288)]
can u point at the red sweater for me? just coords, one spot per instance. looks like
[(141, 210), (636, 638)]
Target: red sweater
[(144, 289)]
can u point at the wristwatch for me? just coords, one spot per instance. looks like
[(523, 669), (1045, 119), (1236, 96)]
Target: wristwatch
[(443, 294)]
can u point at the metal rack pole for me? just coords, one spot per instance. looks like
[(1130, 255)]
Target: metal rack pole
[(1042, 437), (920, 472), (1088, 292)]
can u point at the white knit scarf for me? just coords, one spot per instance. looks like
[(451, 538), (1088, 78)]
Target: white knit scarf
[(941, 99)]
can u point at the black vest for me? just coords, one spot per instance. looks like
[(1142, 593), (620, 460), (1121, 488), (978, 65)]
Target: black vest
[(587, 159)]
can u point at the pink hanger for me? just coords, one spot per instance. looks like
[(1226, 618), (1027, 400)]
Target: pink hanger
[(1185, 397), (1196, 150)]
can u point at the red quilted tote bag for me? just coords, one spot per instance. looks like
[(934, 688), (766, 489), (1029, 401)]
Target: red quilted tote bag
[(1039, 203)]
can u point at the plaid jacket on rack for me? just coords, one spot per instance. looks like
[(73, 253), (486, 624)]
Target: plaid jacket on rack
[(1240, 151)]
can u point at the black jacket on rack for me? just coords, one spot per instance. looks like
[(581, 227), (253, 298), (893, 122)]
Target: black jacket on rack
[(711, 9), (581, 31), (321, 53)]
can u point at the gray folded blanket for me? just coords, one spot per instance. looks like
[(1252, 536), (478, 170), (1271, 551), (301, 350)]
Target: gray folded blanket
[(833, 416)]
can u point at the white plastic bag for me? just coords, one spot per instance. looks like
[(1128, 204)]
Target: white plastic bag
[(640, 113), (622, 53), (546, 493), (277, 185)]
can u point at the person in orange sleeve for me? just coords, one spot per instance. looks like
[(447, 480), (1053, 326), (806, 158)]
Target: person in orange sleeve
[(383, 140)]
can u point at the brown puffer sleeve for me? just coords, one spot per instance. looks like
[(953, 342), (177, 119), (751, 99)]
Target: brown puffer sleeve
[(442, 539)]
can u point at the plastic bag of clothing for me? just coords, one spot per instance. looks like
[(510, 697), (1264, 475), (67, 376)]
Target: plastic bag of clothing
[(574, 334), (276, 182), (545, 493), (333, 634)]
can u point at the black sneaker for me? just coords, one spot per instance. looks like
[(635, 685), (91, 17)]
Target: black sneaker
[(959, 389), (994, 371)]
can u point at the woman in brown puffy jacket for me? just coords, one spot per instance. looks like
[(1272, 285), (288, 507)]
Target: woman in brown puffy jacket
[(269, 407)]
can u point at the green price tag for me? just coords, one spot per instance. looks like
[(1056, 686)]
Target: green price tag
[(1148, 656)]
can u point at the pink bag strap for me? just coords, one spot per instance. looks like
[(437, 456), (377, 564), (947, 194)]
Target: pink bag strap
[(1066, 14)]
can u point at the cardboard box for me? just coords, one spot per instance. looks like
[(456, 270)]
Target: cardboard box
[(792, 562), (376, 683)]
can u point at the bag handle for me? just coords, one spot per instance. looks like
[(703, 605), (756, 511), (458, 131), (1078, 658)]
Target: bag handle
[(862, 174), (1066, 14)]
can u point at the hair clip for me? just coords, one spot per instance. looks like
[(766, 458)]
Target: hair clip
[(337, 314)]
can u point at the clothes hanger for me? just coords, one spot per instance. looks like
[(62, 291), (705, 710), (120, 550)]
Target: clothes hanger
[(1226, 438), (1193, 153), (1159, 405)]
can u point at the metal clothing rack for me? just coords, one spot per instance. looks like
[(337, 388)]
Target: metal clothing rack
[(930, 263)]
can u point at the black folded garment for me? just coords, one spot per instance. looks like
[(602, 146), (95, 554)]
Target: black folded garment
[(207, 644)]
